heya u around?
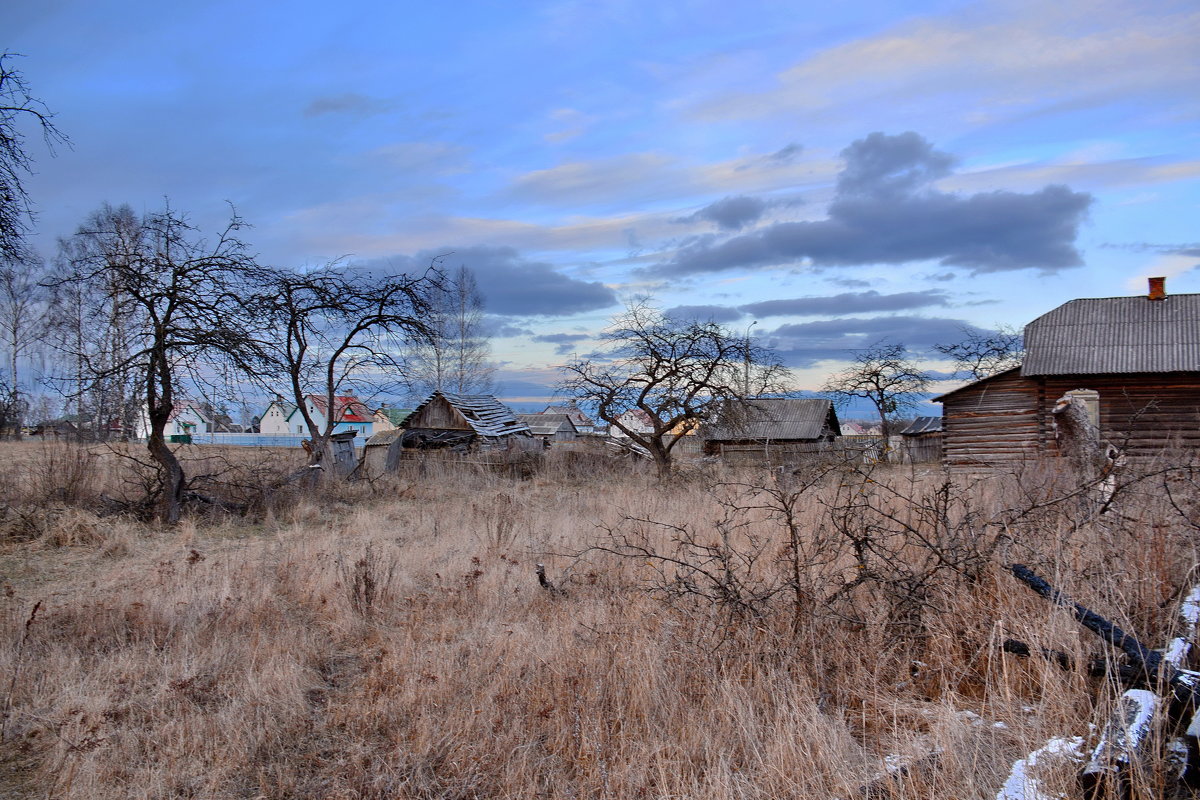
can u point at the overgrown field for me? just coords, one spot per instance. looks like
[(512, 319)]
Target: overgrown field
[(728, 635)]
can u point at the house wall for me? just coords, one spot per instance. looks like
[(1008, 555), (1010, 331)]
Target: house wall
[(1009, 419), (273, 421), (994, 423), (1141, 414), (438, 414)]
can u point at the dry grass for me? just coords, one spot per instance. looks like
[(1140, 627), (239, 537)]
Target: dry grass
[(392, 641)]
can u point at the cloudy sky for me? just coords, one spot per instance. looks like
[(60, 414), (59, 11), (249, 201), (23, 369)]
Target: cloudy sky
[(838, 174)]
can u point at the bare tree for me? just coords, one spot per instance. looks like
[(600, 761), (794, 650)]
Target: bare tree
[(22, 312), (184, 299), (678, 373), (336, 331), (981, 354), (94, 324), (884, 375), (456, 358), (18, 108)]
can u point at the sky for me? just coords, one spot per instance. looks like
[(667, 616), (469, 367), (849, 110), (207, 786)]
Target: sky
[(827, 176)]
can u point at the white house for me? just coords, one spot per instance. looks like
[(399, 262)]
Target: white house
[(187, 418), (274, 420), (349, 413)]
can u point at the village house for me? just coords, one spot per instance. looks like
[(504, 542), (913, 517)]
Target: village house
[(465, 422), (1134, 360), (550, 427), (274, 421), (349, 414), (187, 419), (584, 424), (387, 418), (772, 429)]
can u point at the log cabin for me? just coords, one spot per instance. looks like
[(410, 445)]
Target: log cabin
[(1135, 362)]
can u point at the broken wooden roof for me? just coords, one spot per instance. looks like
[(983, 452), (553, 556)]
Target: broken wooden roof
[(486, 415), (1110, 335), (779, 418)]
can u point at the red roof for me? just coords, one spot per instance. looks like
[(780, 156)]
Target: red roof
[(347, 408)]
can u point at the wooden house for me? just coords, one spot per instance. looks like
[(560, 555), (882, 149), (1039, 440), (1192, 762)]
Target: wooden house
[(550, 427), (583, 423), (1135, 360), (466, 422), (772, 430)]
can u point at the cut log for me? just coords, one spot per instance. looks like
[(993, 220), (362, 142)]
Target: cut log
[(1123, 744)]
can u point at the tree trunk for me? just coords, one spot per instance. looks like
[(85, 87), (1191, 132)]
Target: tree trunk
[(170, 502)]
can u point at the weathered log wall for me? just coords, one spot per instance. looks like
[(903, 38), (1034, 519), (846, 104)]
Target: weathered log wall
[(993, 423), (1008, 420)]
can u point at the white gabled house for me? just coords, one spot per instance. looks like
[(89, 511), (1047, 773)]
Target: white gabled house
[(187, 418), (274, 421)]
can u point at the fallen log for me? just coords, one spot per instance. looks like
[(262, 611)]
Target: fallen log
[(1097, 667), (1123, 744), (1158, 672)]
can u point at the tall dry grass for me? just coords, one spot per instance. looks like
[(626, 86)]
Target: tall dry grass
[(390, 639)]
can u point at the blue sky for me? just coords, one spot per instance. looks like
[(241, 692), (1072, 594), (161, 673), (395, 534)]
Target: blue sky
[(841, 174)]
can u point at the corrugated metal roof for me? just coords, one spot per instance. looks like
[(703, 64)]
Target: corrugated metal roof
[(779, 418), (486, 415), (922, 425), (1110, 335)]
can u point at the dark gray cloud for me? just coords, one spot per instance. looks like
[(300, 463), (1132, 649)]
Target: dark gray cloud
[(566, 341), (704, 313), (894, 166), (806, 343), (561, 338), (514, 286), (730, 213), (501, 327), (850, 283), (786, 154), (847, 303), (886, 211)]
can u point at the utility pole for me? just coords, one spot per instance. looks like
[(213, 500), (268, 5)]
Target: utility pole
[(746, 363)]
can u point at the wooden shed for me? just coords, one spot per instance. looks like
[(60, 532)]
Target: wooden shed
[(772, 430), (1136, 358), (922, 440), (465, 422)]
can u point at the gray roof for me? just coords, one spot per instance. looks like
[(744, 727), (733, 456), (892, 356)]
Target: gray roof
[(547, 424), (922, 425), (486, 415), (384, 438), (781, 419), (1110, 335)]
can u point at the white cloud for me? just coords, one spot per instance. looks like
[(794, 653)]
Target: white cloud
[(1035, 58)]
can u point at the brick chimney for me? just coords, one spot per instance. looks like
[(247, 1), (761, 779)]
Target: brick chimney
[(1158, 289)]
